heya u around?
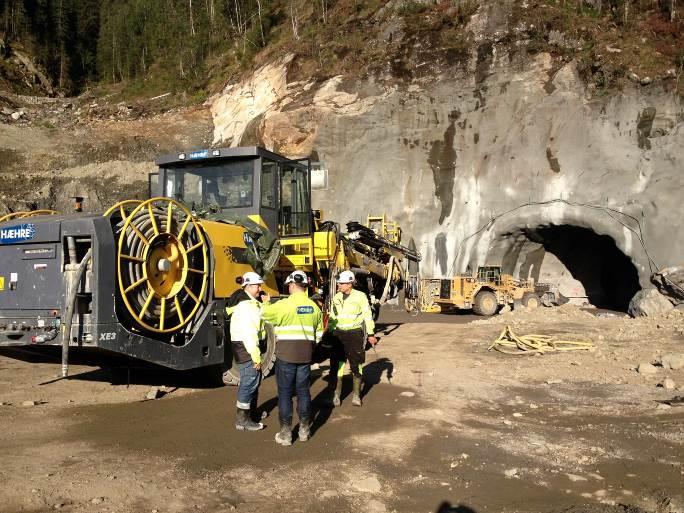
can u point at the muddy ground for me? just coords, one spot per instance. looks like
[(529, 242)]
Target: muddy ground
[(446, 426)]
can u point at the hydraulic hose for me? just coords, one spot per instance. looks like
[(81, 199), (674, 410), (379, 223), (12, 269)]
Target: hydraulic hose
[(71, 301), (162, 266)]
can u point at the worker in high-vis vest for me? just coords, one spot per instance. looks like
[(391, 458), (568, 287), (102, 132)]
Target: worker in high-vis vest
[(298, 325), (351, 324), (246, 333)]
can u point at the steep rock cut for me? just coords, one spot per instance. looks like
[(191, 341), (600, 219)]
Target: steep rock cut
[(510, 143)]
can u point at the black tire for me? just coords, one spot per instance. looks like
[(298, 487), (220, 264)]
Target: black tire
[(231, 374), (530, 300), (485, 303), (375, 309)]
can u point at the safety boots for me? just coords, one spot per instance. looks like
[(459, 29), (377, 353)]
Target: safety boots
[(244, 422), (284, 436), (304, 429), (356, 391)]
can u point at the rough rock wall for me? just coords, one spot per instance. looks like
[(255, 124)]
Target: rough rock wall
[(464, 159), (104, 161)]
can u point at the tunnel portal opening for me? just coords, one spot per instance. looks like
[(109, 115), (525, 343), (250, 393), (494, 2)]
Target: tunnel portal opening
[(565, 253)]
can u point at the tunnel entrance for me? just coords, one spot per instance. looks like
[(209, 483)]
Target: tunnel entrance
[(578, 260)]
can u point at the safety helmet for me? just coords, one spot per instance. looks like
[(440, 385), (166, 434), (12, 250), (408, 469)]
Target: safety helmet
[(346, 277), (298, 277), (251, 278)]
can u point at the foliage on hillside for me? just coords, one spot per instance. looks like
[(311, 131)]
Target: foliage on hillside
[(147, 47)]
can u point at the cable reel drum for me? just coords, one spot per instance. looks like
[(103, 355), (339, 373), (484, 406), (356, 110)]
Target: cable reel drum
[(162, 265)]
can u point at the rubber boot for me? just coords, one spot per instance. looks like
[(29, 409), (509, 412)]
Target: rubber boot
[(337, 393), (284, 436), (243, 422), (356, 391), (304, 429)]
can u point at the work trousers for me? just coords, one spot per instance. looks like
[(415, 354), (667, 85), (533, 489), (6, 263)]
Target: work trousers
[(293, 379), (351, 346), (248, 389)]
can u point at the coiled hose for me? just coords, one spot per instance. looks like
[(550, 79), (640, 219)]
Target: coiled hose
[(162, 265)]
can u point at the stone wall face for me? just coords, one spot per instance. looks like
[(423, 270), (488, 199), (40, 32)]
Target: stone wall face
[(447, 157), (509, 142)]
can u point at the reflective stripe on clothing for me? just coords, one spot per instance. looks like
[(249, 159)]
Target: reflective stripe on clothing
[(352, 312), (247, 327), (294, 332), (298, 325)]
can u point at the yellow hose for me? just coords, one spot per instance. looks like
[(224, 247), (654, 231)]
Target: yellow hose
[(510, 343)]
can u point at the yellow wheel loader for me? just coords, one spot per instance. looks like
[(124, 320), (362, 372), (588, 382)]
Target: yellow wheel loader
[(483, 292)]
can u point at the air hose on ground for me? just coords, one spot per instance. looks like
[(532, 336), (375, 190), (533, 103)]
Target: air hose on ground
[(510, 343), (71, 301)]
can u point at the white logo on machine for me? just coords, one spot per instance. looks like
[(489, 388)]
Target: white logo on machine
[(19, 233), (107, 336)]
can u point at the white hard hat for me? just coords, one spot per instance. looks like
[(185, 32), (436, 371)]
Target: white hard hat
[(297, 277), (251, 278), (346, 277)]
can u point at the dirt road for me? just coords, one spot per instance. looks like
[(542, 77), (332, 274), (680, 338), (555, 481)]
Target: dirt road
[(446, 426)]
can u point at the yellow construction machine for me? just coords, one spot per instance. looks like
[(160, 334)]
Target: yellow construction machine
[(150, 279), (483, 292)]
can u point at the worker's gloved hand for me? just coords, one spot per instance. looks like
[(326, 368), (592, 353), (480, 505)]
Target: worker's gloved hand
[(372, 340), (265, 297), (257, 366)]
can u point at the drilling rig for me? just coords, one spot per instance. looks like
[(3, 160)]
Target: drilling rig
[(150, 278)]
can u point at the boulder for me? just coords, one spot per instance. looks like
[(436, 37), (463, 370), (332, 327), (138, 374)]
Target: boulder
[(668, 384), (649, 302), (670, 282), (674, 361), (646, 368)]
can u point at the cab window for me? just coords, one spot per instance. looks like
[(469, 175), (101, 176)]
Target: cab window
[(295, 210), (269, 173), (225, 186)]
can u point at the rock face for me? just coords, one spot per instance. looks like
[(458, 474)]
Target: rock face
[(670, 282), (649, 302), (504, 159), (104, 161)]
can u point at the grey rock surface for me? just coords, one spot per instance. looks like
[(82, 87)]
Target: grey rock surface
[(498, 161), (670, 282)]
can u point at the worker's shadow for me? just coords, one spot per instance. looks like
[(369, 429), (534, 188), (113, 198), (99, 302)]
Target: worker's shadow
[(373, 371), (447, 507), (387, 328), (372, 375)]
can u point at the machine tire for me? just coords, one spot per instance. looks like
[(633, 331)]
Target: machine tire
[(485, 303), (231, 375), (530, 300), (376, 311)]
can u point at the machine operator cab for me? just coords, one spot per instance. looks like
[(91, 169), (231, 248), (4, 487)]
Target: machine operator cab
[(250, 182)]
